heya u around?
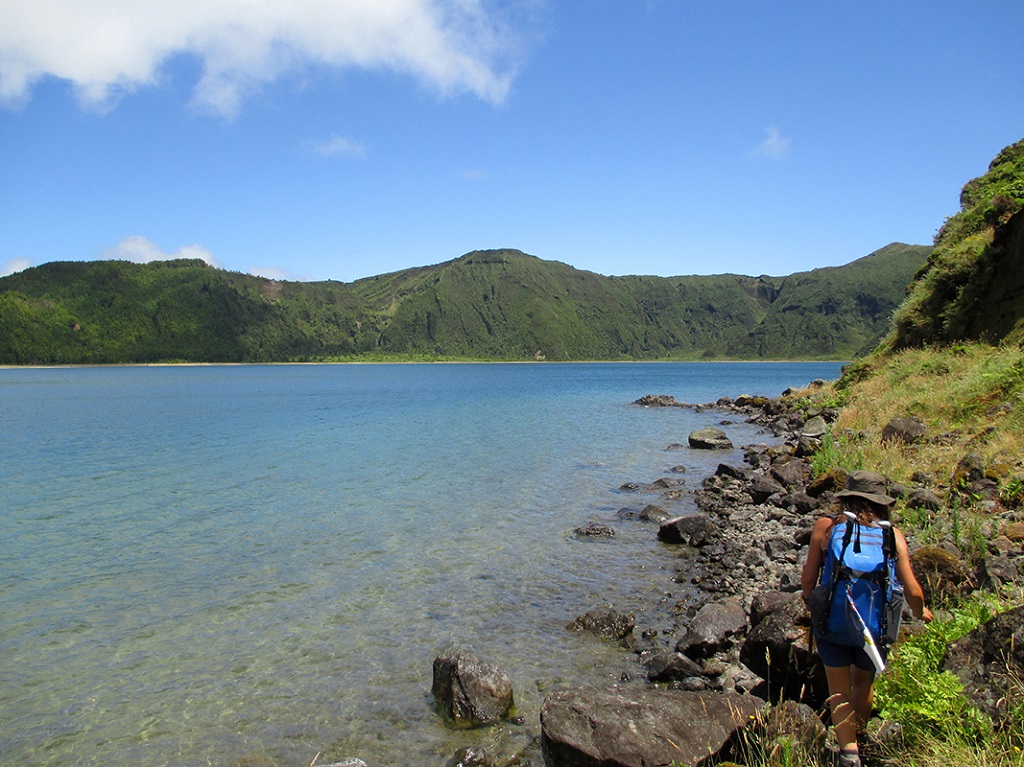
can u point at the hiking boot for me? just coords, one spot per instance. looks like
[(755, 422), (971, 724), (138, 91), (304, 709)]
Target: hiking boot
[(849, 759)]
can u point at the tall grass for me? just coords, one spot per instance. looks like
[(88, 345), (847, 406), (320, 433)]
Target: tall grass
[(969, 397)]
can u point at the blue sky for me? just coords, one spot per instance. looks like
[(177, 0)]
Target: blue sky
[(337, 139)]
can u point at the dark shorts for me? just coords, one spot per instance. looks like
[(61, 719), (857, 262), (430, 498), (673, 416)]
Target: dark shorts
[(836, 655)]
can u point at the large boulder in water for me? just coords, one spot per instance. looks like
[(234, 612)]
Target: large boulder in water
[(469, 691), (639, 727)]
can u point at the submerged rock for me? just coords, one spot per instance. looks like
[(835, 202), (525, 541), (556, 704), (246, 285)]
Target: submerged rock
[(605, 622)]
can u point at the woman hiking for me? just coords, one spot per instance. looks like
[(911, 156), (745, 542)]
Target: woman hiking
[(850, 668)]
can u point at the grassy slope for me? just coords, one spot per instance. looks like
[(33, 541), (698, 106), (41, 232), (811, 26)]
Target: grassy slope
[(954, 361)]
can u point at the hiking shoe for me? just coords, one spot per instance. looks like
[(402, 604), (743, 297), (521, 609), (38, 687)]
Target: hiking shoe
[(849, 759)]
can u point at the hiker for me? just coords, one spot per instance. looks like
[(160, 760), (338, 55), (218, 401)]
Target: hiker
[(851, 660)]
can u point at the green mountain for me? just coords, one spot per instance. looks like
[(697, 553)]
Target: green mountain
[(498, 304), (972, 286)]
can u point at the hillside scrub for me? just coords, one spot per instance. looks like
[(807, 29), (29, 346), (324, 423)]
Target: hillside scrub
[(493, 305), (972, 287)]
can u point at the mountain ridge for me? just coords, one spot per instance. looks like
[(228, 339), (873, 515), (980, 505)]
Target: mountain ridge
[(486, 304)]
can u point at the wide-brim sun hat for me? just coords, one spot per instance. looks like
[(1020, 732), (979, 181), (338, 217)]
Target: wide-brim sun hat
[(868, 485)]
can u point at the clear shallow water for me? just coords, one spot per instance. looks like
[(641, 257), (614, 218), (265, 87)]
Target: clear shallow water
[(251, 565)]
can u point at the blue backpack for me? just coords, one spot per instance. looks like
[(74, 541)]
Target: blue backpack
[(858, 579)]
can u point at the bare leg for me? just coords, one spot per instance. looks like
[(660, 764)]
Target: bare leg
[(844, 715), (862, 694)]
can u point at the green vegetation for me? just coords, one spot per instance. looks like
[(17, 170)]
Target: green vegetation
[(953, 360), (926, 700), (972, 287), (486, 305)]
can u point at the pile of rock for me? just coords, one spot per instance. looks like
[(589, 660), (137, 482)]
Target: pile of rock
[(747, 634), (743, 634)]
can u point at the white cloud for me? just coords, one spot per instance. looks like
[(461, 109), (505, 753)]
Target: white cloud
[(14, 265), (110, 47), (335, 146), (269, 272), (142, 250), (775, 145)]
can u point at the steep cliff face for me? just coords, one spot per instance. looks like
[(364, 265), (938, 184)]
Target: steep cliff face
[(972, 288), (991, 305)]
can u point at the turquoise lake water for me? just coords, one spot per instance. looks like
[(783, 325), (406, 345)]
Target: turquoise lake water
[(251, 565)]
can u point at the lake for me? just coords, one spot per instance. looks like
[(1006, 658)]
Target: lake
[(253, 565)]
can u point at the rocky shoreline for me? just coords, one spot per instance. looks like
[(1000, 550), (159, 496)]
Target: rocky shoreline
[(741, 635)]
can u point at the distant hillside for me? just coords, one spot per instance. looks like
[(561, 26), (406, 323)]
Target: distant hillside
[(972, 287), (500, 304)]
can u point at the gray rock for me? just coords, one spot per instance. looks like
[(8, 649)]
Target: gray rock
[(653, 513), (471, 756), (736, 472), (792, 473), (594, 530), (658, 400), (905, 429), (815, 428), (996, 571), (715, 627), (709, 439), (923, 498), (605, 622), (776, 649), (692, 530), (639, 727), (670, 667), (469, 691), (762, 488)]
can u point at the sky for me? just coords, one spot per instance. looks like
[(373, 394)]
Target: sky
[(339, 139)]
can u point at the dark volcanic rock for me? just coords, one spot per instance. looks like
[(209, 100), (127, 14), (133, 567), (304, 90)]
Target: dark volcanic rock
[(658, 400), (907, 430), (594, 530), (638, 727), (693, 530), (777, 651), (671, 667), (715, 627), (606, 622), (654, 513), (990, 663), (709, 439), (470, 691), (762, 488), (923, 498)]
